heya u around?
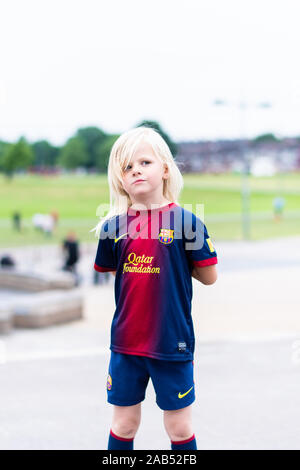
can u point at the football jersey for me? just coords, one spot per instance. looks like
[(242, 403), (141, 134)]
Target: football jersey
[(153, 252)]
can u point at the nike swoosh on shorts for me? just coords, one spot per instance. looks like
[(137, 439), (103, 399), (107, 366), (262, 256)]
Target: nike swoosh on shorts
[(181, 395)]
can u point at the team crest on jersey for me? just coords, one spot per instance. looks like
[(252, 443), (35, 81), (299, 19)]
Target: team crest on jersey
[(109, 382), (166, 236)]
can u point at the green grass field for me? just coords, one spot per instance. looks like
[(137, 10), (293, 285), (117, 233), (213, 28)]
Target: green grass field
[(76, 198)]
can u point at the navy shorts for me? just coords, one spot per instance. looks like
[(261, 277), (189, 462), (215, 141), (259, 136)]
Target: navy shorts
[(128, 377)]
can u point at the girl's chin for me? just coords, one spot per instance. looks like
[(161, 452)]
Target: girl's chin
[(141, 188)]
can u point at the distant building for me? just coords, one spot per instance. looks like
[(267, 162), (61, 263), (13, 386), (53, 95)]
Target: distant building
[(227, 156), (263, 166)]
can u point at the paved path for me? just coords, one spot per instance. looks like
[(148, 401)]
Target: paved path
[(247, 361), (255, 296)]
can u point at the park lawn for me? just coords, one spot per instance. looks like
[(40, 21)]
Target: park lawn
[(76, 198)]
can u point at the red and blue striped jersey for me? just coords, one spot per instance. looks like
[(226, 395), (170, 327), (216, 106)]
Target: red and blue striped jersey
[(153, 252)]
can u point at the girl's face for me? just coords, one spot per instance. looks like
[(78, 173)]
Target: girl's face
[(145, 166)]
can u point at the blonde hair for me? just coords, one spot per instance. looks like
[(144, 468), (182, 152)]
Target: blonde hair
[(121, 154)]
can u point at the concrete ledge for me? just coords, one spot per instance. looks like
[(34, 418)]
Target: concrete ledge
[(41, 321), (35, 281), (42, 309)]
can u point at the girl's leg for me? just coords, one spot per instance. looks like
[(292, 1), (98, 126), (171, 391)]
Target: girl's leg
[(178, 424), (126, 420)]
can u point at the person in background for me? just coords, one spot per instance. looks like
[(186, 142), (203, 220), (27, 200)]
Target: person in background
[(278, 205), (44, 223), (48, 225), (16, 219), (55, 216), (71, 253), (7, 261), (37, 222), (100, 278)]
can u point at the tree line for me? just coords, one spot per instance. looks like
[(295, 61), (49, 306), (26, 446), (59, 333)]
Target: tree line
[(89, 148)]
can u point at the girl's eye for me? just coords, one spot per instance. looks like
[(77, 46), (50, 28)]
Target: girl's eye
[(144, 161)]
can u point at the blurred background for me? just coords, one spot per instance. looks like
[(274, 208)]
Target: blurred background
[(220, 81)]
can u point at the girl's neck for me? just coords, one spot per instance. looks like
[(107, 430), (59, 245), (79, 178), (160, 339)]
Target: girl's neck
[(149, 205)]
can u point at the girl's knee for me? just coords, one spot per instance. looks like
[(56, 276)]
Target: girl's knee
[(126, 420), (178, 424), (126, 429), (179, 431)]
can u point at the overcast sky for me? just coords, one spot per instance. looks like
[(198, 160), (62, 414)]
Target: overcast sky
[(72, 63)]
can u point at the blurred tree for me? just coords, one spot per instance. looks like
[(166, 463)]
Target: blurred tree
[(3, 148), (92, 137), (17, 156), (265, 138), (103, 151), (156, 126), (73, 154), (45, 154)]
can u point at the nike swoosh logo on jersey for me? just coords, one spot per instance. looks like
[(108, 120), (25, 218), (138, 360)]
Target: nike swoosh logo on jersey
[(116, 239), (181, 395)]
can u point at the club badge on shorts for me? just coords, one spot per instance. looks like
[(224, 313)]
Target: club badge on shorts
[(109, 382), (166, 236)]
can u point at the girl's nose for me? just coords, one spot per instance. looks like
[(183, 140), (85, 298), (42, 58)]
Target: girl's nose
[(135, 171)]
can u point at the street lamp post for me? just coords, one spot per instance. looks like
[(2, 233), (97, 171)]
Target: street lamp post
[(245, 194), (245, 183)]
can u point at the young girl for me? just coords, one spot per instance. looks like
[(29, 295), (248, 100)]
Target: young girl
[(153, 246)]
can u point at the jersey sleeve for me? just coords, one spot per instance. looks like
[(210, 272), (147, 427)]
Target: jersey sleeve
[(198, 245), (106, 254)]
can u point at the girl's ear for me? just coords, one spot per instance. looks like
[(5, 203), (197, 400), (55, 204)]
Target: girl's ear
[(166, 171)]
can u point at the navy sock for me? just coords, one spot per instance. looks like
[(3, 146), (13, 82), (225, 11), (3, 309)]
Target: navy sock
[(119, 443), (187, 444)]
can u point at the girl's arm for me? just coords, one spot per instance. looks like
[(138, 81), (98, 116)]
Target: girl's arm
[(114, 273), (206, 274)]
